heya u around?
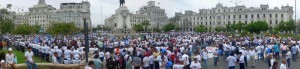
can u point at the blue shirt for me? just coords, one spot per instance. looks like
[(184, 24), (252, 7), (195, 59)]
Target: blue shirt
[(276, 48), (294, 50)]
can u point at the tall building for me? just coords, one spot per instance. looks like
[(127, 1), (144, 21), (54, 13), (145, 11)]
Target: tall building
[(221, 16), (157, 16), (151, 13), (44, 15)]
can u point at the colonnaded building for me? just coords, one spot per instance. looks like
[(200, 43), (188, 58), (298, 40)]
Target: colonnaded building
[(123, 21), (44, 15), (222, 15)]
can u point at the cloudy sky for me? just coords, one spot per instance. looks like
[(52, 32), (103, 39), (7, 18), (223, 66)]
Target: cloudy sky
[(171, 6)]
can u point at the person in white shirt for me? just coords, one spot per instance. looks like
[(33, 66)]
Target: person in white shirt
[(47, 52), (241, 61), (185, 59), (29, 59), (90, 65), (283, 65), (76, 56), (67, 56), (146, 61), (10, 58), (231, 61), (288, 57), (216, 57), (205, 57), (195, 64), (54, 58), (252, 57), (101, 55)]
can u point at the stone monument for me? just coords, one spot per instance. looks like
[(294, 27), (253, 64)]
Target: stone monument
[(123, 24)]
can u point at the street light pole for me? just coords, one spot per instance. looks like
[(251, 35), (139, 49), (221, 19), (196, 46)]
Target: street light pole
[(85, 16), (297, 31)]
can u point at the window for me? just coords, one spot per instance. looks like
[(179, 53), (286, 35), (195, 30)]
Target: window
[(252, 15), (228, 16), (206, 17), (245, 22), (233, 22), (228, 22), (209, 23), (257, 15), (264, 15), (276, 15), (246, 16), (219, 10), (115, 24), (201, 23), (270, 15), (201, 18), (276, 21), (281, 15), (233, 16), (240, 16), (205, 23), (209, 17), (270, 21)]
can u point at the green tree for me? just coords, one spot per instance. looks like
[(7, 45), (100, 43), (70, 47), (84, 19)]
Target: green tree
[(201, 28), (286, 26), (24, 29), (220, 29), (36, 28), (156, 29), (63, 28), (239, 27), (257, 27), (8, 6), (145, 25), (138, 27), (169, 27), (6, 25)]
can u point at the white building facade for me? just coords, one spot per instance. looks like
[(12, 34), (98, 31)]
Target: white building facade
[(221, 16), (44, 15)]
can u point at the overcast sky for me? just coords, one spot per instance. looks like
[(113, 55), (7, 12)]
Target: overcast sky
[(171, 6)]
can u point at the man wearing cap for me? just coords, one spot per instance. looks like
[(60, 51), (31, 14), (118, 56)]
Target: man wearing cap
[(29, 59), (10, 58)]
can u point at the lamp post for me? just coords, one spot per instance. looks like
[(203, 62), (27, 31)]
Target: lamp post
[(85, 16), (297, 31)]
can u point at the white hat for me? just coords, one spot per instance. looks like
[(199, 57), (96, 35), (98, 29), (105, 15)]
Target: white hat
[(2, 61), (9, 49)]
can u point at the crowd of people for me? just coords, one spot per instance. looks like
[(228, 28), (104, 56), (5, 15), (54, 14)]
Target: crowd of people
[(173, 50)]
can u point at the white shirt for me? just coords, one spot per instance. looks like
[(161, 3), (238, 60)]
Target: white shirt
[(205, 55), (195, 65), (88, 67), (67, 54), (101, 54), (258, 49), (252, 53), (54, 59), (185, 59), (283, 66), (47, 49), (9, 58), (242, 59), (28, 56), (146, 61), (231, 60), (288, 54)]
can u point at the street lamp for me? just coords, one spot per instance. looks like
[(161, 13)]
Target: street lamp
[(85, 16)]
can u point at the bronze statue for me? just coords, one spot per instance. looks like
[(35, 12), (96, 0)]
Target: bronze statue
[(122, 2)]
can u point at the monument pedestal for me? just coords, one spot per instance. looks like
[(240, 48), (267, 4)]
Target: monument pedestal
[(123, 23)]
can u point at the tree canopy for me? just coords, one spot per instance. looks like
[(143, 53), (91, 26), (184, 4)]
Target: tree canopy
[(286, 26), (201, 28), (138, 27), (220, 28), (63, 28), (24, 29), (257, 27), (169, 27)]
